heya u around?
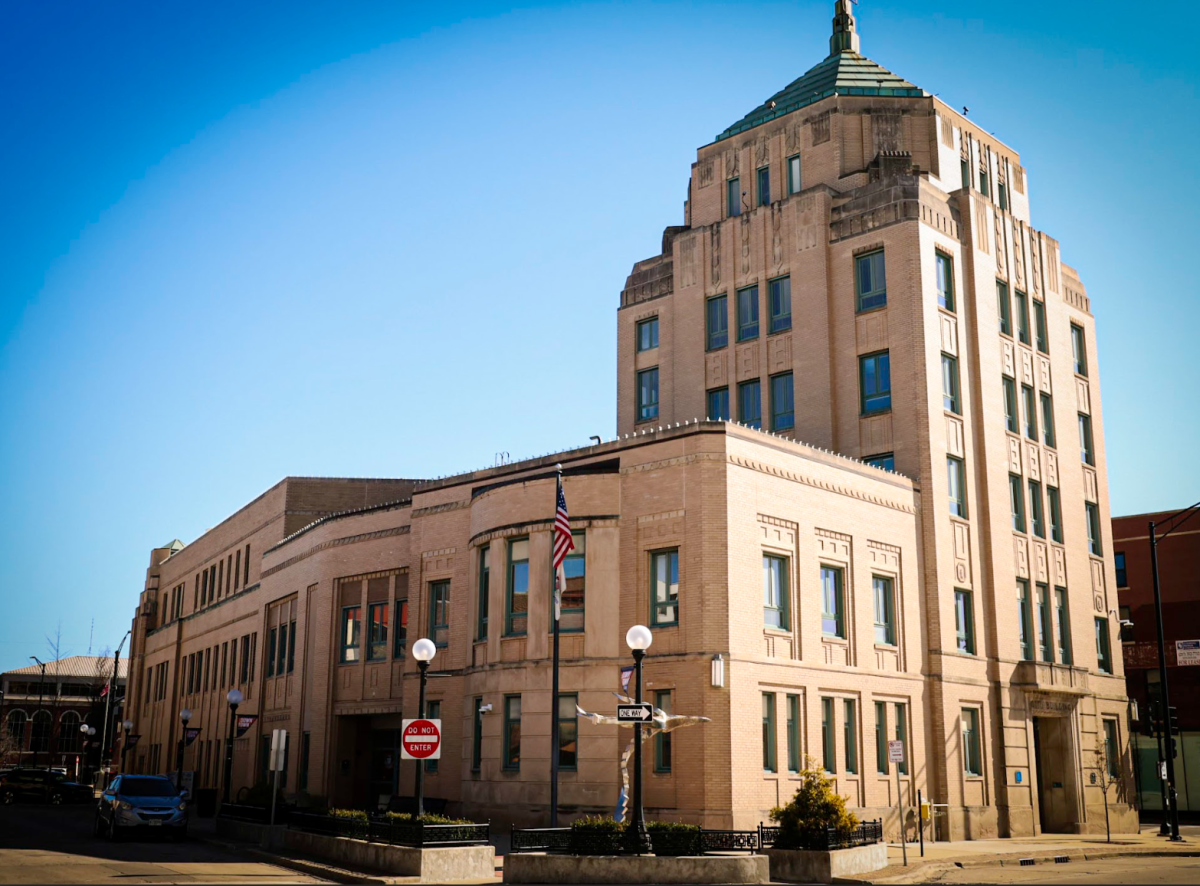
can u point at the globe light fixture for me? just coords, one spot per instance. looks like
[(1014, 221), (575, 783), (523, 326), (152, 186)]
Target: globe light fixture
[(637, 841), (127, 725), (424, 650), (234, 697), (185, 715), (639, 638)]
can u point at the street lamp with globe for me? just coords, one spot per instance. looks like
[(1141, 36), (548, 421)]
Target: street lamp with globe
[(638, 638), (234, 697), (184, 716), (423, 651), (126, 727)]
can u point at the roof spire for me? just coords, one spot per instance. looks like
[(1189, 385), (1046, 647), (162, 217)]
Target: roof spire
[(845, 38)]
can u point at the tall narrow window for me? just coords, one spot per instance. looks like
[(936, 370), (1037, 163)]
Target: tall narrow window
[(983, 182), (1036, 517), (271, 651), (1030, 404), (1004, 307), (1079, 350), (957, 483), (512, 732), (1047, 421), (764, 185), (950, 400), (870, 280), (881, 739), (1022, 318), (246, 568), (575, 572), (377, 642), (568, 732), (964, 169), (237, 569), (647, 334), (1122, 574), (1045, 625), (517, 608), (972, 752), (1016, 498), (1041, 338), (775, 592), (1064, 628), (851, 727), (433, 711), (885, 611), (733, 197), (750, 403), (793, 732), (401, 632), (1103, 652), (485, 580), (875, 382), (1112, 754), (780, 298), (281, 661), (439, 613), (783, 410), (902, 735), (1002, 191), (828, 751), (747, 308), (1086, 452), (477, 736), (662, 741), (647, 394), (794, 181), (1025, 620), (1010, 403), (1056, 527), (964, 621), (768, 731), (351, 627), (716, 314), (664, 588), (291, 660), (1092, 512), (833, 621), (718, 404), (945, 280)]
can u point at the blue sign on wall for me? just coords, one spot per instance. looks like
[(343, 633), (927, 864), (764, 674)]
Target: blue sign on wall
[(1018, 776)]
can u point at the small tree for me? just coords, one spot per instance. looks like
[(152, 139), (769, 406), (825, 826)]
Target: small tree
[(804, 823), (1106, 774)]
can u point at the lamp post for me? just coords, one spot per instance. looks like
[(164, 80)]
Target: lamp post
[(126, 727), (184, 716), (423, 651), (41, 687), (638, 638), (234, 697), (88, 731)]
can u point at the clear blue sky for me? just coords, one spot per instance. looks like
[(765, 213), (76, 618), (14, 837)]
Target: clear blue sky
[(241, 241)]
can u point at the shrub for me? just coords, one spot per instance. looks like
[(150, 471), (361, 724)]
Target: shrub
[(596, 835), (805, 821), (427, 818), (675, 838), (349, 814)]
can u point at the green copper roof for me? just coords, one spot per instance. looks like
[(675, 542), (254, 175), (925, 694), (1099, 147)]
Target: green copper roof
[(844, 72)]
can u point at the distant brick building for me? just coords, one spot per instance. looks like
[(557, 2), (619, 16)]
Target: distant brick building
[(856, 269)]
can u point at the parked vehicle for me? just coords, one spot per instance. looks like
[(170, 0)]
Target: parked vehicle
[(41, 786), (141, 802)]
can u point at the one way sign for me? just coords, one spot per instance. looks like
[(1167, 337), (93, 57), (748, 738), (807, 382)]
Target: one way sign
[(634, 713)]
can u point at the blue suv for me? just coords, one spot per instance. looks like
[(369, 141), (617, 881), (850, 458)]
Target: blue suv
[(144, 803)]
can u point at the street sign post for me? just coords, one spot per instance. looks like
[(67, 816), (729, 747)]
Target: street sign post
[(421, 740), (634, 713), (896, 757), (276, 762)]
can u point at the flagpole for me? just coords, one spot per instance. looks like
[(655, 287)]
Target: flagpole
[(554, 614)]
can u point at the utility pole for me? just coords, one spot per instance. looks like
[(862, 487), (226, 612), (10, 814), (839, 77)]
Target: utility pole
[(41, 689), (108, 697)]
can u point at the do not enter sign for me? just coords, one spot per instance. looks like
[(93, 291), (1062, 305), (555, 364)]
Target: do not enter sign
[(421, 740)]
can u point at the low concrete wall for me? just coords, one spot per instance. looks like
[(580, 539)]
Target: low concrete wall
[(251, 832), (537, 867), (802, 866), (433, 865)]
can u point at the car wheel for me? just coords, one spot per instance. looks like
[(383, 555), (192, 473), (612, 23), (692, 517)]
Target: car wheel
[(56, 799), (8, 798)]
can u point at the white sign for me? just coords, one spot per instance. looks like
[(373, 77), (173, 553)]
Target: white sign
[(634, 713), (1162, 771), (421, 739), (1187, 652), (896, 751), (278, 750)]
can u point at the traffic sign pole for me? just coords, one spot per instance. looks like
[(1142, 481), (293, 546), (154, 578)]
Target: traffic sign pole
[(896, 757), (424, 666)]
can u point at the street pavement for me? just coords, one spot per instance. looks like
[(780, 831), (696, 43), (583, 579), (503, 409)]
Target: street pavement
[(1113, 871), (54, 844)]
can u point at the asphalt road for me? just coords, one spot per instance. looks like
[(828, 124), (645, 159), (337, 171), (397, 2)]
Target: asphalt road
[(54, 844), (1096, 873)]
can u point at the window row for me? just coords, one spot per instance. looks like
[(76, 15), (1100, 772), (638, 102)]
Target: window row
[(1051, 640), (885, 731), (834, 606), (1025, 421), (1038, 330), (734, 195), (218, 666), (41, 729), (221, 579), (750, 406), (281, 649), (379, 644), (779, 313)]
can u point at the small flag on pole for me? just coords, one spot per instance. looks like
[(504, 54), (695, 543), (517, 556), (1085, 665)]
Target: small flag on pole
[(563, 545), (104, 691)]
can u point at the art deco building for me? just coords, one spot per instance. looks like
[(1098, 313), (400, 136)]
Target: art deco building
[(839, 496)]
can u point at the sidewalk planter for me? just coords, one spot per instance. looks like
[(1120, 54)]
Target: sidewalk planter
[(635, 869), (432, 865), (815, 866)]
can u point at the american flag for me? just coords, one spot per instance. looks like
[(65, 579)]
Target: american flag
[(563, 545)]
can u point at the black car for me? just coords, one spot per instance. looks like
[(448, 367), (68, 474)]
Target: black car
[(41, 786)]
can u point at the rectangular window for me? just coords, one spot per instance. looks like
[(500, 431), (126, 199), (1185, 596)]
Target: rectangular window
[(433, 711), (783, 409), (1041, 339), (1056, 527), (1010, 403), (733, 197), (1079, 350), (1022, 318), (246, 568), (718, 404), (1064, 629), (764, 185), (1122, 575), (1086, 452), (775, 592), (225, 662), (945, 280), (477, 736), (664, 588), (439, 613), (794, 180), (351, 628), (1045, 625), (793, 733), (377, 628), (717, 322), (401, 643), (828, 752), (647, 334), (833, 623), (870, 280), (851, 737), (885, 611), (902, 735), (512, 732), (972, 752), (1093, 526), (281, 662), (1003, 192), (237, 570), (750, 404), (768, 731), (1030, 404), (1103, 653), (647, 394), (885, 460), (575, 572), (1047, 421), (1112, 756), (964, 621), (1004, 307), (291, 660), (271, 652), (957, 482), (1025, 621), (882, 764), (485, 581), (516, 609), (662, 741), (780, 304), (1036, 515), (983, 182), (950, 385), (568, 732), (964, 169), (747, 308), (875, 382)]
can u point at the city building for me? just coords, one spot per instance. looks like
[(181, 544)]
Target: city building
[(837, 496), (1178, 567)]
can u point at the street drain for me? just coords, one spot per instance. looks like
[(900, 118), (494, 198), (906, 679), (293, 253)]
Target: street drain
[(1061, 859), (1026, 861)]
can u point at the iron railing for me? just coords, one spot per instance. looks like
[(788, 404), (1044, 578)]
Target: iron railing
[(393, 833), (706, 842), (864, 835), (242, 812)]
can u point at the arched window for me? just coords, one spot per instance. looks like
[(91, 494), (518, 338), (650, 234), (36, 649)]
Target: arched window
[(68, 733), (39, 735), (16, 728)]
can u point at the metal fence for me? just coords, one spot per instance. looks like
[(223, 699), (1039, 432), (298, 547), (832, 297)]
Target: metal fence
[(380, 830)]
